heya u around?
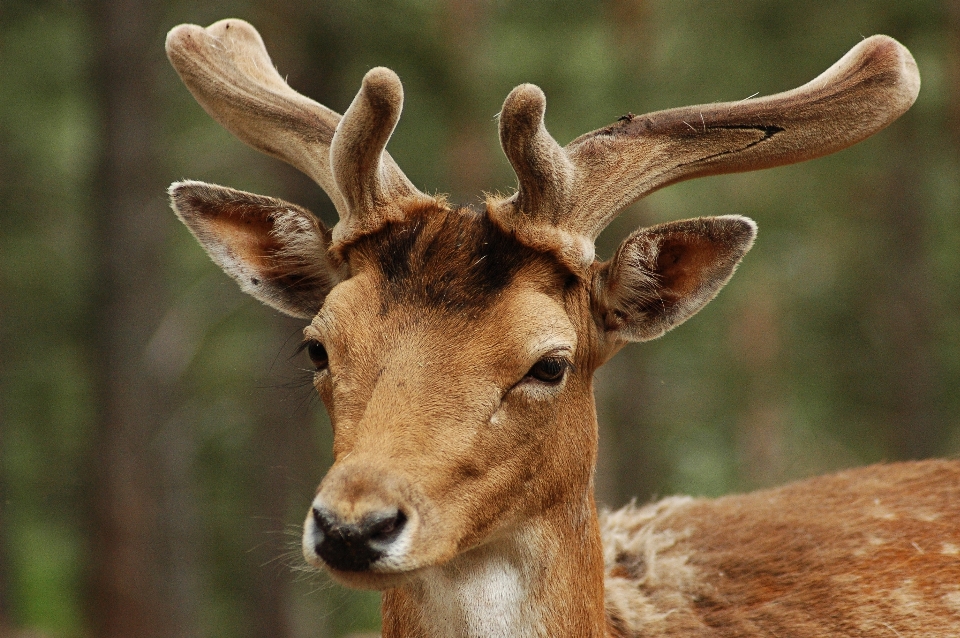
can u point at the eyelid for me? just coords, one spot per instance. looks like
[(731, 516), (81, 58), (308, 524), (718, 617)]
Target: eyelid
[(563, 356), (311, 333), (322, 322), (571, 367), (552, 347), (560, 352), (563, 352)]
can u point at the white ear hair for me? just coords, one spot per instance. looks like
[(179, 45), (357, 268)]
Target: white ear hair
[(276, 251)]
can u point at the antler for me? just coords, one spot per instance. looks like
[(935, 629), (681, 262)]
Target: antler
[(566, 196), (374, 188), (228, 71)]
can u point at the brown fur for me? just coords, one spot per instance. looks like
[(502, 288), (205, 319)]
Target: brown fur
[(427, 413), (456, 260), (868, 552), (436, 325)]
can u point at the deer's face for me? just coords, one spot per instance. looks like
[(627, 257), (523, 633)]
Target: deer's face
[(457, 377), (454, 350), (455, 362)]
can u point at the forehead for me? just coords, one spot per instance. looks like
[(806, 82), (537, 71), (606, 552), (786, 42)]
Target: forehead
[(456, 261), (446, 287)]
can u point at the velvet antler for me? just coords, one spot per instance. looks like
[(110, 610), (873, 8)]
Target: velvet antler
[(567, 195), (229, 72)]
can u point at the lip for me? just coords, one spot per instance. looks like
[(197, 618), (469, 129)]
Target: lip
[(370, 579)]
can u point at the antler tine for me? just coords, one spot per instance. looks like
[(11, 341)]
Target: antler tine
[(545, 176), (544, 171), (866, 90), (228, 71), (372, 186)]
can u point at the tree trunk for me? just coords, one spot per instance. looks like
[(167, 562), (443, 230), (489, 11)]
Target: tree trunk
[(141, 582), (4, 562)]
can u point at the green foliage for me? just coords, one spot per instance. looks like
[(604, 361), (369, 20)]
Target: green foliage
[(836, 344)]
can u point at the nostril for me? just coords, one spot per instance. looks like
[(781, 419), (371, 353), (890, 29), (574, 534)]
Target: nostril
[(386, 528), (350, 546)]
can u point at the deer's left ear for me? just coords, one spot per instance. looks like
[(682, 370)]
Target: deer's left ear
[(663, 275), (275, 250)]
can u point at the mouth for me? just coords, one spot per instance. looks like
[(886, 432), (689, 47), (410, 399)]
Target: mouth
[(378, 574), (370, 579)]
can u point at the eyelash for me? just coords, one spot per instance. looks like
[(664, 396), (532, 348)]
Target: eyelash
[(317, 353)]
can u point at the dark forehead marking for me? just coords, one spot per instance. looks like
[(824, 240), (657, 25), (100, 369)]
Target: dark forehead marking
[(457, 260)]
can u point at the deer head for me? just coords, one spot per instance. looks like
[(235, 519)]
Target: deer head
[(454, 349)]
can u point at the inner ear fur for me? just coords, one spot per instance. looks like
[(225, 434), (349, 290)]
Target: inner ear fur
[(276, 251), (662, 275)]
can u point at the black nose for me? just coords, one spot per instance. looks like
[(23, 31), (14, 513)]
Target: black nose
[(352, 547)]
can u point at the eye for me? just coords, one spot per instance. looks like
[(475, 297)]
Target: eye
[(549, 370), (317, 354)]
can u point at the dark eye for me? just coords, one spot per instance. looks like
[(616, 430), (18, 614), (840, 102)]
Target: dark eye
[(549, 370), (317, 354)]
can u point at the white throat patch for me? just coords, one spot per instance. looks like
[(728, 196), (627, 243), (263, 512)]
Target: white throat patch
[(478, 597)]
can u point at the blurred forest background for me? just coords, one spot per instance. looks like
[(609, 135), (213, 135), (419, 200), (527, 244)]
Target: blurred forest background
[(158, 444)]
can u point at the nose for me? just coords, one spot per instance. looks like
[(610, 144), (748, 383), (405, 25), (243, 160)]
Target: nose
[(353, 547)]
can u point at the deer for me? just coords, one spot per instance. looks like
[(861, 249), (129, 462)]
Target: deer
[(454, 350)]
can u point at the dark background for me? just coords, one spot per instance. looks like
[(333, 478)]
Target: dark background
[(159, 446)]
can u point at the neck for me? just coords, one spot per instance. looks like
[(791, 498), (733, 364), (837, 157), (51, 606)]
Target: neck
[(543, 578)]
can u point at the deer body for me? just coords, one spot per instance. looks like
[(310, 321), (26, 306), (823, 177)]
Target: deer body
[(455, 352), (868, 552)]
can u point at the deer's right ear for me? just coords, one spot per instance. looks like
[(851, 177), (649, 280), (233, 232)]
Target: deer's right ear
[(661, 276), (275, 250)]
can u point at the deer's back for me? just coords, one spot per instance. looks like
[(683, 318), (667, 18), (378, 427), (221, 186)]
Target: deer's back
[(868, 552)]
